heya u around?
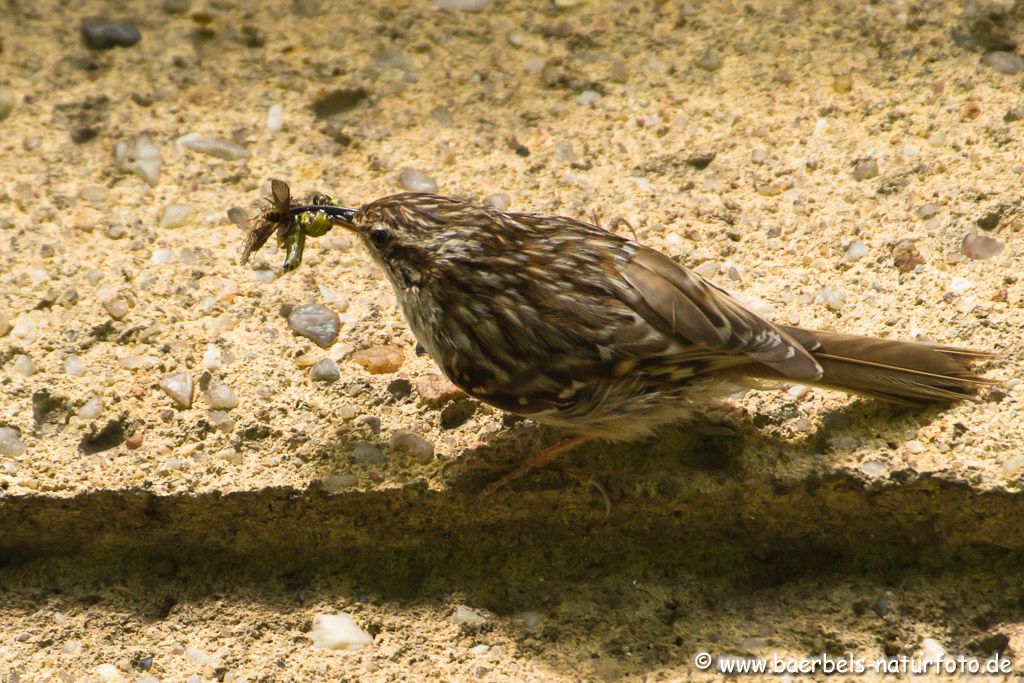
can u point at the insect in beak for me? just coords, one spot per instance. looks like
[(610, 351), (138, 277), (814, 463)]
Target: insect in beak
[(293, 223)]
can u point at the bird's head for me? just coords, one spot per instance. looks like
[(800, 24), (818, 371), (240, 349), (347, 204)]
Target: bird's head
[(412, 235)]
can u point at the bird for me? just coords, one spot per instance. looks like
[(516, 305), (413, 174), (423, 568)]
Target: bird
[(570, 325)]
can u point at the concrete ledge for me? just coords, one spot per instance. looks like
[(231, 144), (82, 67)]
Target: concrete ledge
[(416, 541)]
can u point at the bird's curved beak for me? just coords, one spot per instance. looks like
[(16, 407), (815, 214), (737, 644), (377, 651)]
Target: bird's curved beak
[(339, 216)]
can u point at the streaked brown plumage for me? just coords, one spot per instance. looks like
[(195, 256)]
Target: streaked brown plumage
[(570, 325)]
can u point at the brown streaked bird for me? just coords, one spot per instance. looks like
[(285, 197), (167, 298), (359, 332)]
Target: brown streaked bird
[(573, 326)]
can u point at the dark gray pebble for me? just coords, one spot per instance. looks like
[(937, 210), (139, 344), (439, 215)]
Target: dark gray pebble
[(100, 33)]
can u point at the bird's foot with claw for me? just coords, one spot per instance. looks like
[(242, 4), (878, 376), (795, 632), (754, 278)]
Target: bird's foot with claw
[(545, 460)]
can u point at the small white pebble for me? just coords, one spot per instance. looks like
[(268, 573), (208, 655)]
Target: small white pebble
[(275, 118), (530, 619), (708, 269), (161, 256), (844, 442), (108, 672), (932, 650), (71, 647), (1014, 466), (832, 298), (221, 397), (91, 409), (798, 390), (499, 200), (176, 215), (856, 250), (981, 247), (465, 615), (873, 468), (230, 455), (333, 483), (74, 366), (23, 365), (222, 149), (914, 446), (339, 632), (10, 442), (179, 387), (588, 97), (959, 285), (415, 180), (212, 358), (220, 420), (196, 656), (25, 328), (418, 448)]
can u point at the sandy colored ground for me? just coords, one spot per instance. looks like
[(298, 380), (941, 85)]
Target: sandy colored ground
[(824, 524)]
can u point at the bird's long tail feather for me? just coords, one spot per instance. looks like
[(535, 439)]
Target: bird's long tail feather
[(912, 373)]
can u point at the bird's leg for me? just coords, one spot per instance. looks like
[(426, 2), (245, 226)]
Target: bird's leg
[(540, 460), (584, 477)]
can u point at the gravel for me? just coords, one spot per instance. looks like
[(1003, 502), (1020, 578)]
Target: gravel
[(463, 5), (443, 116), (325, 370), (8, 102), (865, 169), (457, 413), (379, 359), (220, 420), (179, 387), (333, 483), (221, 397), (275, 118), (367, 454), (25, 328), (91, 409), (23, 365), (905, 256), (176, 215), (116, 306), (315, 322), (1004, 62), (412, 444), (981, 247), (709, 61), (338, 632), (10, 442), (435, 390), (855, 251), (216, 147), (959, 285), (415, 180), (74, 366), (831, 297), (339, 101), (213, 359), (465, 615), (498, 200), (529, 618), (100, 33), (139, 156)]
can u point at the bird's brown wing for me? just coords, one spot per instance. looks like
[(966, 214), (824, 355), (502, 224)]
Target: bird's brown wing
[(680, 301)]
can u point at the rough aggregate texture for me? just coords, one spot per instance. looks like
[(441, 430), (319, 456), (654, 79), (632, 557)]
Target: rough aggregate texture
[(145, 536)]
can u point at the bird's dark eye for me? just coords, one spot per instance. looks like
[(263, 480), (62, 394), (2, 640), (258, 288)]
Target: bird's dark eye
[(379, 237)]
